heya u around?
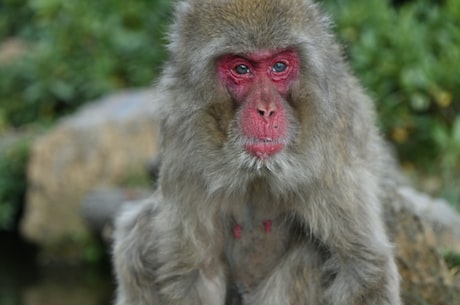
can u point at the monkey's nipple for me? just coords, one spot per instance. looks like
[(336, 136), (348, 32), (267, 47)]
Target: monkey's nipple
[(237, 231)]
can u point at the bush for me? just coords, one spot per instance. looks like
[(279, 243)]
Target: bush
[(13, 159), (76, 51), (408, 59)]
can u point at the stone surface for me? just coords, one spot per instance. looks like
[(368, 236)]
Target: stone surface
[(11, 49), (108, 142), (422, 228), (103, 203)]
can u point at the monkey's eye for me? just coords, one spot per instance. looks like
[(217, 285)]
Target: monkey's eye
[(279, 67), (242, 69)]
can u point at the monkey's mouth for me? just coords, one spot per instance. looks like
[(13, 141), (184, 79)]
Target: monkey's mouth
[(263, 148)]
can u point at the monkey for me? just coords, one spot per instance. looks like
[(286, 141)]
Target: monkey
[(272, 169)]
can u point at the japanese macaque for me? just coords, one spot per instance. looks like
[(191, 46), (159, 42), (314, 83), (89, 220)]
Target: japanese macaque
[(272, 169)]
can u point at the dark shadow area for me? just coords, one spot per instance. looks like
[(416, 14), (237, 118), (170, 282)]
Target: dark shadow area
[(23, 281)]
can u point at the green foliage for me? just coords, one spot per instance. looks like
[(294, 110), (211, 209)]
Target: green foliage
[(76, 51), (81, 246), (13, 15), (408, 59), (93, 251), (13, 159), (452, 259)]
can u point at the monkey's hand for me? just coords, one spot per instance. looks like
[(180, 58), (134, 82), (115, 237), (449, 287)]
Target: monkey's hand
[(363, 278), (155, 264)]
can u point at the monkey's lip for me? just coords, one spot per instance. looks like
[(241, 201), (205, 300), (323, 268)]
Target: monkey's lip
[(263, 148)]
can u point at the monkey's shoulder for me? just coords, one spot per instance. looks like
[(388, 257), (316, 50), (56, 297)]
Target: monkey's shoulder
[(136, 218)]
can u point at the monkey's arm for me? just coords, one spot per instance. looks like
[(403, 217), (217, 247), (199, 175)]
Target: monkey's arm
[(295, 281), (135, 271), (345, 257), (155, 264), (361, 268)]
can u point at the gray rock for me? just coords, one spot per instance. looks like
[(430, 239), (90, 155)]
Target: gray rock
[(438, 212), (107, 142), (422, 228), (11, 50), (102, 204)]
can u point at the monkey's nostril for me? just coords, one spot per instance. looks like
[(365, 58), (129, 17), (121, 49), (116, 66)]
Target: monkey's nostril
[(266, 113)]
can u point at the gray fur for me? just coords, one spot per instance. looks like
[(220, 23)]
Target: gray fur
[(323, 191)]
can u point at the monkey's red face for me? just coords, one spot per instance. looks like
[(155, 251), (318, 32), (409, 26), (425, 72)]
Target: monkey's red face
[(259, 83)]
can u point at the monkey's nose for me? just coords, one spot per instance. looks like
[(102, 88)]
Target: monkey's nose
[(266, 110), (265, 113)]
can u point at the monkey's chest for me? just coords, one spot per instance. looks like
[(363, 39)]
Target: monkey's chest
[(253, 247)]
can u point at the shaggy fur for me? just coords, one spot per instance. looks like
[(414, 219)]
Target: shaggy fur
[(322, 194)]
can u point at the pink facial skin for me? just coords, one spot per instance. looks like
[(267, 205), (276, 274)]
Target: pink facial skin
[(259, 83)]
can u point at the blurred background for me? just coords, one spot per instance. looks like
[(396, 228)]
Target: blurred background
[(57, 55)]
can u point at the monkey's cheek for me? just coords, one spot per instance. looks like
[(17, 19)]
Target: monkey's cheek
[(263, 150)]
